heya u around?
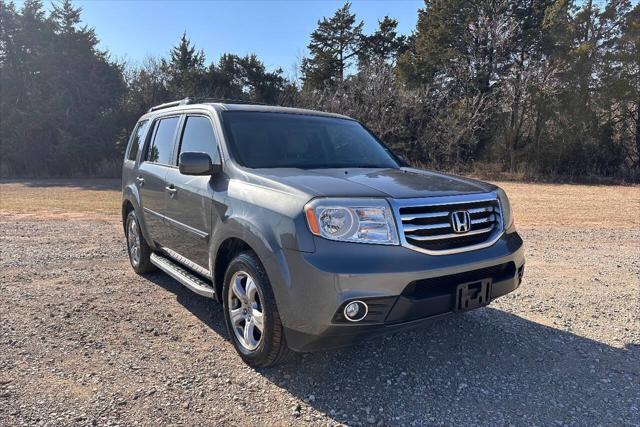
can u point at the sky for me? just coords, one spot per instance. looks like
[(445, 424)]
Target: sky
[(277, 31)]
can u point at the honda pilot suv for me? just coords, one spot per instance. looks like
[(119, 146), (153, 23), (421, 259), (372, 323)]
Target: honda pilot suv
[(307, 229)]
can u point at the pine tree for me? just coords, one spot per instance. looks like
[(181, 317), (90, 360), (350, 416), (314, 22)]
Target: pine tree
[(66, 17), (384, 45), (334, 45), (242, 78), (59, 92), (184, 69)]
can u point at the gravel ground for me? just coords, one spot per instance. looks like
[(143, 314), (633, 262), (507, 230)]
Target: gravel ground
[(84, 340)]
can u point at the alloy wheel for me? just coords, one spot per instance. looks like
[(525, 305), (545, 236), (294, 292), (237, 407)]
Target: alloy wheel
[(245, 310), (133, 240)]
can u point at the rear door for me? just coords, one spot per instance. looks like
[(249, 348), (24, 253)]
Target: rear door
[(189, 201), (136, 141), (152, 171)]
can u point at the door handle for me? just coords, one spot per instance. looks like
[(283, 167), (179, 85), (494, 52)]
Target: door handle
[(140, 180), (171, 189)]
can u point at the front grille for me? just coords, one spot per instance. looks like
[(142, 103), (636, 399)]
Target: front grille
[(428, 226)]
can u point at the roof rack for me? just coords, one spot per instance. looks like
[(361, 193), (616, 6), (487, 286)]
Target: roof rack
[(169, 104), (187, 101), (222, 101)]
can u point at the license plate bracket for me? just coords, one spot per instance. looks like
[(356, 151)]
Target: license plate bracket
[(472, 295)]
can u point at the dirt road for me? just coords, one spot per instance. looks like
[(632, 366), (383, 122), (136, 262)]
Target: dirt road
[(83, 340)]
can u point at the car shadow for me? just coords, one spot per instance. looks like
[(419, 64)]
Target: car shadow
[(482, 367), (208, 312)]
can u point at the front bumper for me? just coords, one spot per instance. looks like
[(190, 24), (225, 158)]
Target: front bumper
[(403, 288)]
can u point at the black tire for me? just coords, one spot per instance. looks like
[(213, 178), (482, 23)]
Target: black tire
[(143, 264), (272, 347)]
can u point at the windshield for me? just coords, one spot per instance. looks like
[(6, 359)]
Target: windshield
[(282, 140)]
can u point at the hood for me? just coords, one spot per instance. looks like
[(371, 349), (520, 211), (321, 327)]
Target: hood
[(401, 183)]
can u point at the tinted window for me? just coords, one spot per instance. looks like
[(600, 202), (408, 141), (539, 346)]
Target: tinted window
[(136, 137), (279, 140), (161, 148), (198, 136)]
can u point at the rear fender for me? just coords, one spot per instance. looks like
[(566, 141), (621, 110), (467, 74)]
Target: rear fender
[(131, 194)]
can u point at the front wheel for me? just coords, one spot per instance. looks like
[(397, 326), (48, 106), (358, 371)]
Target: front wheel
[(251, 314), (137, 247)]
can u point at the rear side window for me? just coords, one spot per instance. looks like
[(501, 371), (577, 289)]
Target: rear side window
[(136, 137), (161, 148), (198, 136)]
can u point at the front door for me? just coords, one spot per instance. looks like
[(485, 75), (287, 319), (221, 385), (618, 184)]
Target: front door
[(190, 198), (151, 176)]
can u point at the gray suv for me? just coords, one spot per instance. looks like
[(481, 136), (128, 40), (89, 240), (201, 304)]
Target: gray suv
[(307, 229)]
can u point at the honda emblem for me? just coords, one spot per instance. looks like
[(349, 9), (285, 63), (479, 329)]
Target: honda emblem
[(460, 221)]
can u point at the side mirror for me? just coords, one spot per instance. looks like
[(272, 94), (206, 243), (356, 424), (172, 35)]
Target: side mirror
[(194, 163)]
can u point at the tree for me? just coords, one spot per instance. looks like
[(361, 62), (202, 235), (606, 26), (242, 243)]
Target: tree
[(59, 93), (547, 87), (334, 45), (532, 46), (384, 45), (624, 82), (184, 69), (464, 47), (242, 78), (261, 86), (590, 91)]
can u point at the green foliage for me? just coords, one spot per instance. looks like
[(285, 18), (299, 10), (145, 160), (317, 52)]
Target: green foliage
[(184, 70), (60, 93), (233, 77), (384, 45), (547, 87), (561, 78), (334, 44)]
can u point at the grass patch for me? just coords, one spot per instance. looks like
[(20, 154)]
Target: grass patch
[(44, 197), (534, 204)]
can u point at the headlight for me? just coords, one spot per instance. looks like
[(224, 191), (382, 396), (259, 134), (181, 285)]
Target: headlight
[(352, 220), (507, 216)]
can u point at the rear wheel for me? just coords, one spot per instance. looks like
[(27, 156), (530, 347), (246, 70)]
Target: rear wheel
[(251, 314), (137, 247)]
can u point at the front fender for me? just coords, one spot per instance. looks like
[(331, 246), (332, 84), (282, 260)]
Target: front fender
[(263, 242), (267, 233), (270, 221)]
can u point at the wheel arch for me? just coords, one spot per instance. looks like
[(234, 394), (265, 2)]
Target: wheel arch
[(131, 202), (227, 251), (127, 207), (238, 235)]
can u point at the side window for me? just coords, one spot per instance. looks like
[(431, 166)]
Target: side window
[(136, 137), (198, 136), (161, 148)]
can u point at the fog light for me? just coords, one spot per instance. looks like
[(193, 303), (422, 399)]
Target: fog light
[(355, 311)]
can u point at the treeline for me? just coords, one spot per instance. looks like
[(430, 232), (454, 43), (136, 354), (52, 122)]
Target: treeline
[(541, 88)]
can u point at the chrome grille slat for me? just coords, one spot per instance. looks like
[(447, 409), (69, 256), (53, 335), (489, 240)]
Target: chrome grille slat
[(482, 220), (411, 217), (425, 224), (413, 228), (480, 210), (450, 236)]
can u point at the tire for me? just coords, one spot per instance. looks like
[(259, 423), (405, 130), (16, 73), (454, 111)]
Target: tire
[(262, 348), (140, 259)]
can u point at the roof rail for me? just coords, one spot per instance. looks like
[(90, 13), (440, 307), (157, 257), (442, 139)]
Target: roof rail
[(169, 104), (187, 101), (222, 101)]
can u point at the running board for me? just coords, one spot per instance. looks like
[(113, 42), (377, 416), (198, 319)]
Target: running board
[(182, 275)]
